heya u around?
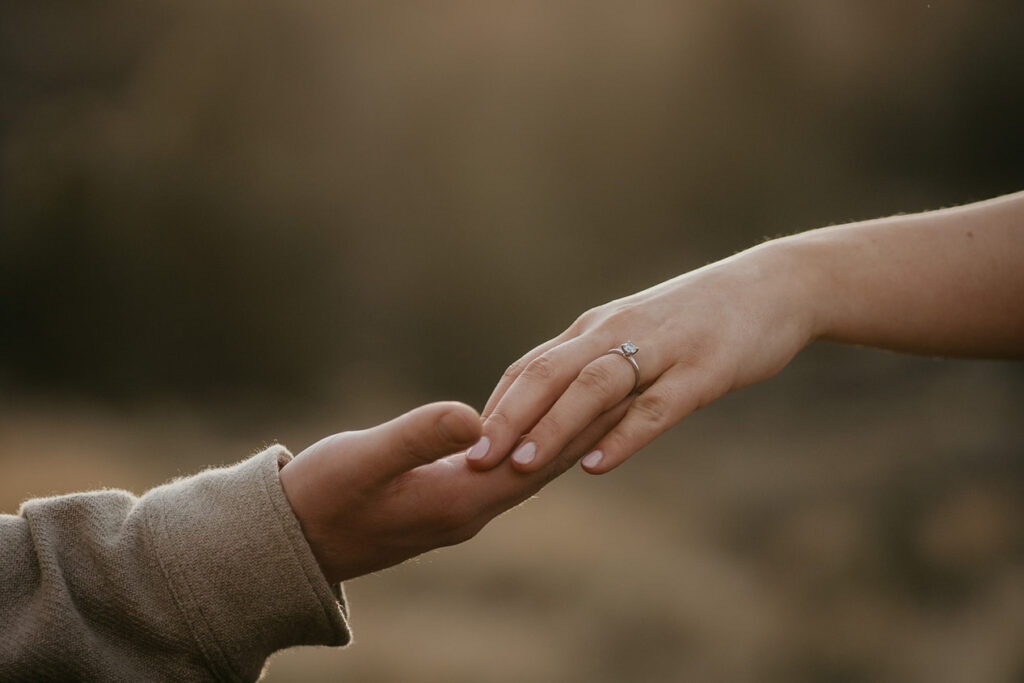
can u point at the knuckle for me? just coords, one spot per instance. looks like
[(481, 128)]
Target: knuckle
[(513, 371), (622, 315), (414, 446), (653, 407), (546, 430), (540, 369), (617, 442), (498, 418), (583, 322), (597, 377)]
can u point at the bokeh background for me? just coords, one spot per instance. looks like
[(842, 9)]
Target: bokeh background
[(226, 223)]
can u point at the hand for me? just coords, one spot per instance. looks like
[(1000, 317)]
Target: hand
[(370, 499), (699, 335)]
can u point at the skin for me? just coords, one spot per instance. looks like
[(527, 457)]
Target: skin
[(370, 499), (948, 283)]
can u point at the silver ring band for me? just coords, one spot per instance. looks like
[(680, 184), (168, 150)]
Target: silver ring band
[(627, 351)]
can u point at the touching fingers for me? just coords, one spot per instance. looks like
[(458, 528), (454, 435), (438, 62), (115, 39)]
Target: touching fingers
[(416, 438), (600, 385), (513, 371), (494, 492), (585, 441), (670, 399), (529, 396)]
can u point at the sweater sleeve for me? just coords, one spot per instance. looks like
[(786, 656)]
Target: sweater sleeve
[(200, 579)]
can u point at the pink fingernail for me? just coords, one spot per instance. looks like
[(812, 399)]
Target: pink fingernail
[(524, 454), (593, 460), (479, 449)]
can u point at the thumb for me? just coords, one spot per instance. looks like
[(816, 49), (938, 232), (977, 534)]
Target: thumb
[(421, 436)]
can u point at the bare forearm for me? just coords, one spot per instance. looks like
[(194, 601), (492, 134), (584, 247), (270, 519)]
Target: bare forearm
[(947, 282)]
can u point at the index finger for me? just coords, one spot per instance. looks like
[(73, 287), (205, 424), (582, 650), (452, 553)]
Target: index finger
[(529, 395), (493, 492), (513, 371)]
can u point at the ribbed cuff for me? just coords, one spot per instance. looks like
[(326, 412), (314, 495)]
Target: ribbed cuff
[(240, 569)]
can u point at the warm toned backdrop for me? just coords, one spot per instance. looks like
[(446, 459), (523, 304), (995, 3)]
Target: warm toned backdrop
[(224, 223)]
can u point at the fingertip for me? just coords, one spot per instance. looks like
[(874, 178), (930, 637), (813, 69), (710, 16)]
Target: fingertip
[(595, 462), (476, 456), (525, 459), (487, 462), (480, 465), (493, 446)]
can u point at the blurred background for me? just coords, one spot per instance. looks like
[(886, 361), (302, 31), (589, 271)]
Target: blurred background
[(225, 223)]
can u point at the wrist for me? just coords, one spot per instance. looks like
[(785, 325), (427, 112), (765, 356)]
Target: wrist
[(797, 279), (297, 492)]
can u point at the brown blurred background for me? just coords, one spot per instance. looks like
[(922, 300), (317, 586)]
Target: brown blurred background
[(225, 223)]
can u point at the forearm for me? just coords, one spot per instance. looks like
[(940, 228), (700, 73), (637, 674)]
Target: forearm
[(199, 579), (947, 282)]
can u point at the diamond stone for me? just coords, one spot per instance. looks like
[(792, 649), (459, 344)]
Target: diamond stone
[(629, 348)]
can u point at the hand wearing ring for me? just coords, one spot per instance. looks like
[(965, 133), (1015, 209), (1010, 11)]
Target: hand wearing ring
[(742, 319), (627, 351), (703, 334)]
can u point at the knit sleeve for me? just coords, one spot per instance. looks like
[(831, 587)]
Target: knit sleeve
[(200, 579)]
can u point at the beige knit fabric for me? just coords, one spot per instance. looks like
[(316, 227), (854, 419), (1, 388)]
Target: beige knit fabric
[(200, 579)]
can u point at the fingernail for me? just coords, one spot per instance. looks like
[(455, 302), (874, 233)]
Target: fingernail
[(593, 460), (479, 449), (524, 454)]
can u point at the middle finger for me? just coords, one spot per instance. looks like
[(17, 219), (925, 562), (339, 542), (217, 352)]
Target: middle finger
[(602, 384), (531, 395)]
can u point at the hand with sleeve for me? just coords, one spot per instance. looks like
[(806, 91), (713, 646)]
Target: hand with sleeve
[(948, 282), (205, 577)]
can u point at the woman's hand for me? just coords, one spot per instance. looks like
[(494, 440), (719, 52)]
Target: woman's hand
[(373, 498), (946, 282), (700, 335)]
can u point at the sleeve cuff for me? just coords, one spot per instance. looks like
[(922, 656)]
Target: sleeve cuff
[(239, 567)]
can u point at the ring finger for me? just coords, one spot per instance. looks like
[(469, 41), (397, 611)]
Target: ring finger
[(602, 384)]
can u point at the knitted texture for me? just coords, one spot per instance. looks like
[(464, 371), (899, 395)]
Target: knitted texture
[(200, 579)]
